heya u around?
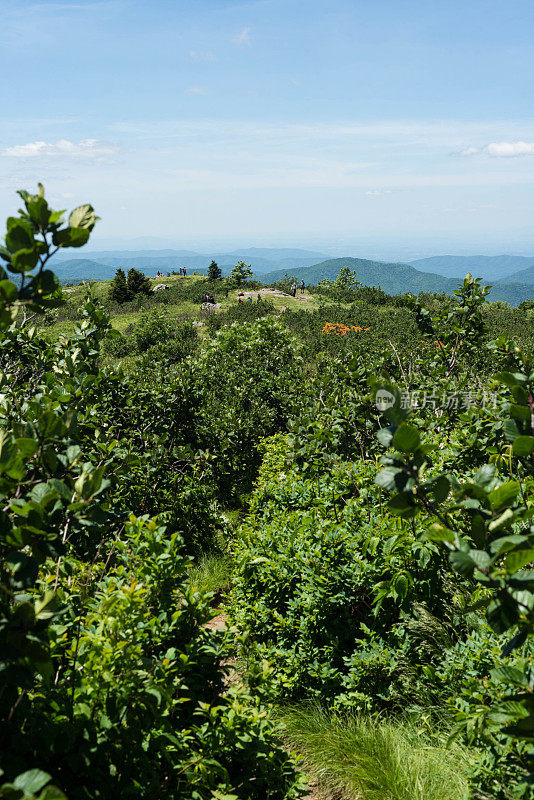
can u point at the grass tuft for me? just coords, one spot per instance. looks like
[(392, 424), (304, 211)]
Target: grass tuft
[(212, 572), (354, 758)]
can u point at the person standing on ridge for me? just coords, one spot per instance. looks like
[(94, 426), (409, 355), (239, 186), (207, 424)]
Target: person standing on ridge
[(293, 288), (302, 287)]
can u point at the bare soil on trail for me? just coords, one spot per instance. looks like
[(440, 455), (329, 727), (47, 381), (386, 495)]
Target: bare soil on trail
[(218, 624), (266, 293)]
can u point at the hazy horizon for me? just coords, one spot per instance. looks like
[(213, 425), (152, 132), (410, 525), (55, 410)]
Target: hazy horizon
[(368, 249)]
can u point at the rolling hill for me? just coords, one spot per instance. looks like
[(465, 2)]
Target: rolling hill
[(393, 278), (491, 268), (397, 278), (76, 270), (525, 276)]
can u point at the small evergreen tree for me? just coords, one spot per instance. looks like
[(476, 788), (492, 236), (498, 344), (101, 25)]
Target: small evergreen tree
[(347, 279), (214, 272), (241, 272), (138, 283), (118, 291)]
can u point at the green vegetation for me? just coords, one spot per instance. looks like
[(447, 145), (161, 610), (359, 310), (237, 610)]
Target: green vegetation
[(241, 272), (376, 760), (344, 478), (214, 271)]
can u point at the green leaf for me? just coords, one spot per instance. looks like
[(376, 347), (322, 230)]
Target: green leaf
[(481, 559), (439, 533), (5, 254), (52, 793), (46, 282), (517, 559), (510, 675), (520, 412), (485, 475), (71, 237), (440, 488), (55, 217), (510, 379), (522, 446), (83, 217), (504, 495), (406, 438), (502, 613), (19, 235), (8, 291), (462, 562), (385, 435), (390, 478), (511, 430), (38, 210), (32, 781), (27, 447), (23, 260), (402, 505), (401, 586), (506, 518)]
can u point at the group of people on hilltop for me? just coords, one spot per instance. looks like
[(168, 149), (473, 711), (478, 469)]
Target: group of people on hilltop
[(183, 271), (294, 288)]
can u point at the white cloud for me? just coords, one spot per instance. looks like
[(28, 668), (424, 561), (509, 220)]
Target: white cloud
[(502, 149), (88, 148), (377, 192), (470, 151), (242, 38), (196, 90), (509, 149), (202, 55)]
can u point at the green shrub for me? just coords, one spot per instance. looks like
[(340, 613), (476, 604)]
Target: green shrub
[(325, 590)]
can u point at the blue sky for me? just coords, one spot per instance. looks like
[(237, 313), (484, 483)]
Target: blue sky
[(369, 127)]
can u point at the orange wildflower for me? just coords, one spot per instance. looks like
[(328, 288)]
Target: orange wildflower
[(341, 330)]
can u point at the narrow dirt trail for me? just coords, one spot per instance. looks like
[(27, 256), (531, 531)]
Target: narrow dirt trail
[(218, 624), (266, 293)]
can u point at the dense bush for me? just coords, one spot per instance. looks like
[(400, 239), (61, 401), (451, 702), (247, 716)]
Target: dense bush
[(156, 338), (243, 384), (311, 564), (240, 312), (111, 683)]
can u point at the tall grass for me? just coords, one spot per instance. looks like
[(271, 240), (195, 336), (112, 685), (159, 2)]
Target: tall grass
[(374, 759), (212, 572)]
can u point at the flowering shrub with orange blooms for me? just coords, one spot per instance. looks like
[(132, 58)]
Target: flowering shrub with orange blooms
[(342, 330), (436, 343)]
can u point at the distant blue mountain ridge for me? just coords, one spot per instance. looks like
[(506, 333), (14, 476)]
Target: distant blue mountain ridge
[(152, 261), (271, 264)]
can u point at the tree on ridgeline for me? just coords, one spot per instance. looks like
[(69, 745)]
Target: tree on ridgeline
[(118, 290), (138, 283), (214, 272), (241, 272)]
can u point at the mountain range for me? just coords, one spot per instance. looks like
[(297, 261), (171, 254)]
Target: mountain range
[(512, 276), (151, 261), (491, 268), (396, 278)]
